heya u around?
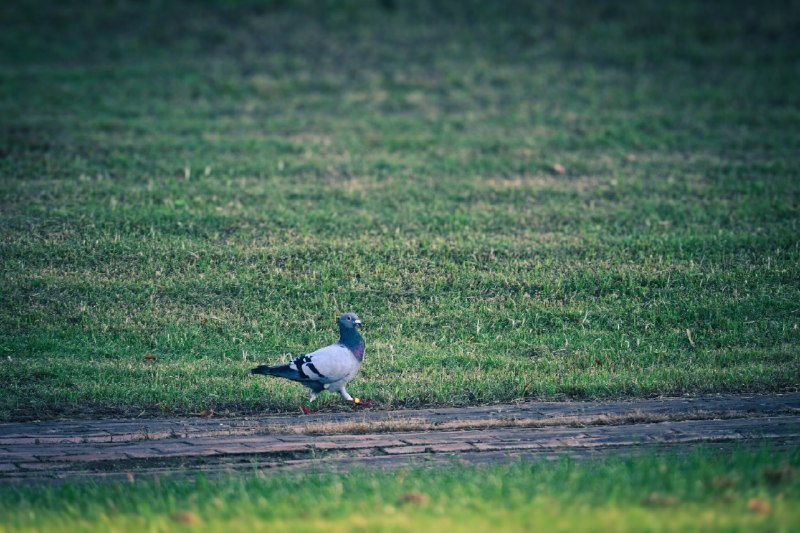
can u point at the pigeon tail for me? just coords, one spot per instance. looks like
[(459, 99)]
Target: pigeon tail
[(284, 371)]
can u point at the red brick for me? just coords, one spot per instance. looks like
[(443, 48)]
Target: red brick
[(452, 447), (277, 447), (43, 466), (484, 446), (402, 450), (91, 457), (355, 444)]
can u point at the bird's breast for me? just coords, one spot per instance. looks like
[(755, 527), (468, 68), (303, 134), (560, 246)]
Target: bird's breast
[(358, 352)]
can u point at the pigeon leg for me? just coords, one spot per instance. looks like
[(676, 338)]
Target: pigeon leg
[(307, 406), (362, 403), (345, 395), (356, 401)]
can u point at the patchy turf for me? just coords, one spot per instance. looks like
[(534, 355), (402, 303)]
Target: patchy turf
[(740, 490), (570, 198)]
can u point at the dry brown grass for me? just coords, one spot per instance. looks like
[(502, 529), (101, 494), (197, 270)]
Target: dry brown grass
[(352, 427)]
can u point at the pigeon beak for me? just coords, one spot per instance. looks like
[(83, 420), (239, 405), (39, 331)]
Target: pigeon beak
[(357, 322)]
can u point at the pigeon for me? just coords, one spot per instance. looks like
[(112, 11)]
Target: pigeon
[(330, 368)]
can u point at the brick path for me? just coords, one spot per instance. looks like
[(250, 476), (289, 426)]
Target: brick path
[(48, 451)]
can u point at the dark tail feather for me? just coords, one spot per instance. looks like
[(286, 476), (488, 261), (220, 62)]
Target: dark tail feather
[(263, 369), (282, 371)]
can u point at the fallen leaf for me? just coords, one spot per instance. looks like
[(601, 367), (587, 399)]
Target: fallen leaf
[(203, 319), (656, 499), (558, 168), (630, 157), (207, 412), (150, 357), (775, 475), (186, 517), (723, 482), (759, 506), (414, 498)]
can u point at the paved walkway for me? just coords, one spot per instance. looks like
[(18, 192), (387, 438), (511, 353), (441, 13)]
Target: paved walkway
[(56, 450)]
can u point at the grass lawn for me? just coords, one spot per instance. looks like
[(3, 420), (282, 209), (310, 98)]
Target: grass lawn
[(580, 198), (740, 491)]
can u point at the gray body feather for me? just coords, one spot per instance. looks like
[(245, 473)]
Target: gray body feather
[(330, 368)]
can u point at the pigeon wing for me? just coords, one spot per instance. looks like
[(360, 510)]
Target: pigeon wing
[(327, 365)]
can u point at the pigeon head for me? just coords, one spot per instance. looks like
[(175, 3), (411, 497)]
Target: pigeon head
[(348, 321), (349, 335)]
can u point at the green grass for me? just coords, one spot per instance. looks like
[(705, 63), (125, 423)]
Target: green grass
[(721, 491), (215, 184)]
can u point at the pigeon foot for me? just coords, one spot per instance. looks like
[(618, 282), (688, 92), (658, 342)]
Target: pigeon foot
[(362, 403)]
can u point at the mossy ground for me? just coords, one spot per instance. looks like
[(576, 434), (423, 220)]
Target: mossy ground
[(566, 198)]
